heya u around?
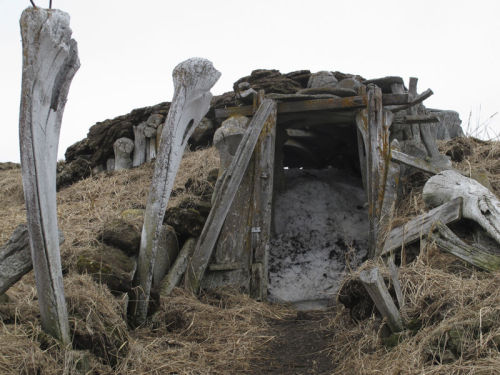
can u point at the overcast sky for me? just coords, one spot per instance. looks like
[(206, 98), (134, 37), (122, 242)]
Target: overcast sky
[(128, 49)]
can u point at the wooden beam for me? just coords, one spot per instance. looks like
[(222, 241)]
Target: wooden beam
[(448, 241), (422, 225), (376, 288), (417, 119), (415, 162), (417, 100), (228, 188), (178, 268), (352, 102)]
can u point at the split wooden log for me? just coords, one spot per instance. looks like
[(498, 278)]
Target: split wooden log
[(178, 269), (448, 241), (376, 288), (422, 225), (193, 80), (123, 148), (228, 188), (479, 204), (15, 257), (50, 60), (421, 164)]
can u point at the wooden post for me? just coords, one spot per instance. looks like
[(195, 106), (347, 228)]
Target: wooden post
[(193, 80), (227, 191), (178, 269), (376, 288), (262, 209), (50, 60)]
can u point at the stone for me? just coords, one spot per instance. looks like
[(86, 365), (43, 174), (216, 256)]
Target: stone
[(269, 81), (385, 83), (322, 79), (228, 137), (300, 76), (339, 92), (155, 120), (109, 266), (349, 83), (76, 170), (110, 164), (202, 206), (165, 257), (203, 134), (50, 61), (123, 148), (187, 222), (123, 235)]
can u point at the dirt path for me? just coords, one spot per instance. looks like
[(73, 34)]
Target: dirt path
[(299, 346)]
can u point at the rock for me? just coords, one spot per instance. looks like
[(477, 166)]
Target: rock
[(121, 234), (110, 164), (166, 255), (449, 124), (322, 79), (203, 207), (328, 91), (123, 148), (270, 81), (76, 170), (385, 83), (155, 120), (109, 266), (200, 188), (187, 222), (349, 83), (300, 76), (228, 137), (203, 134)]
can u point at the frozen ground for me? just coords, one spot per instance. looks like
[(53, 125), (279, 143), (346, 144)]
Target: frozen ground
[(320, 221)]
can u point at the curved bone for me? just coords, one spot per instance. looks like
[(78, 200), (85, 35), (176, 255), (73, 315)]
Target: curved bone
[(479, 204), (50, 60), (139, 145), (123, 148), (193, 80)]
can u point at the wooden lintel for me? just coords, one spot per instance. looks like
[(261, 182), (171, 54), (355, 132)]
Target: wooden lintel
[(415, 162), (352, 102), (417, 119), (422, 225), (417, 100)]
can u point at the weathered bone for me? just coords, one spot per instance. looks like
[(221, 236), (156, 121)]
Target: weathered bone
[(123, 147), (150, 134), (193, 80), (50, 60), (139, 145), (479, 204)]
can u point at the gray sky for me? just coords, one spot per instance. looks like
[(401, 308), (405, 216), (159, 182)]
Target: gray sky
[(128, 50)]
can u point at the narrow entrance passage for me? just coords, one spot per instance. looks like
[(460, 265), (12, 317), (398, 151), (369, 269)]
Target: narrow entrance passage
[(320, 223)]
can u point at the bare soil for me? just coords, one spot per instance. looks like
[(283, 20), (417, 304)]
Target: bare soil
[(299, 346)]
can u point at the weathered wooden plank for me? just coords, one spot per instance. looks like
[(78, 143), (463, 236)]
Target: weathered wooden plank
[(352, 102), (193, 80), (393, 270), (422, 225), (417, 119), (262, 209), (376, 288), (50, 61), (415, 162), (232, 179), (15, 257), (446, 240), (178, 268), (416, 100)]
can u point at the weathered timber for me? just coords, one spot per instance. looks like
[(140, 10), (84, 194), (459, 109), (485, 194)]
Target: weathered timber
[(139, 157), (262, 209), (193, 80), (15, 257), (390, 197), (178, 268), (376, 288), (416, 100), (420, 226), (448, 241), (479, 204), (232, 179), (393, 270), (362, 137), (353, 102), (417, 119), (417, 163), (50, 60)]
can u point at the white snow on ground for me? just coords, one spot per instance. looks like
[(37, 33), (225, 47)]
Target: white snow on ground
[(320, 220)]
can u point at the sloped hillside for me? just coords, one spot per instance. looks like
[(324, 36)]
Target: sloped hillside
[(452, 310)]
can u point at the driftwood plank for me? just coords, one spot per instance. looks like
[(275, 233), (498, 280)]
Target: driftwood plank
[(376, 288), (352, 102), (415, 162), (416, 100), (50, 61), (446, 240), (228, 188), (393, 270), (422, 225), (418, 119), (262, 209), (178, 268), (15, 257)]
